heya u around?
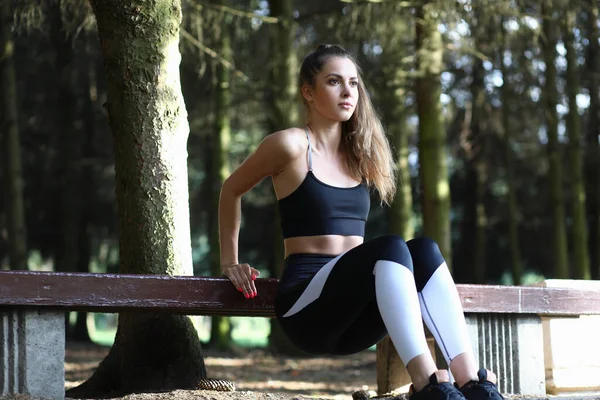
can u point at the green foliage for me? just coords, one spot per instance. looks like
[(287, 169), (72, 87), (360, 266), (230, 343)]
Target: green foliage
[(529, 278), (245, 331)]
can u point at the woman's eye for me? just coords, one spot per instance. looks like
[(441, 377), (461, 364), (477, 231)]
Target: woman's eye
[(333, 81), (354, 83)]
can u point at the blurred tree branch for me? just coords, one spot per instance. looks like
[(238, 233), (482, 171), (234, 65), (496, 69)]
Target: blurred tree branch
[(233, 11), (186, 35)]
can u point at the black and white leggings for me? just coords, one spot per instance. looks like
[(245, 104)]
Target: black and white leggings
[(345, 304)]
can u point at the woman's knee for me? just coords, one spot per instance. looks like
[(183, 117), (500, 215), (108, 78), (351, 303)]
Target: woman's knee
[(393, 248), (427, 258)]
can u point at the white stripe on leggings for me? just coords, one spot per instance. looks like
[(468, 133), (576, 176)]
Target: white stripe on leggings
[(314, 288)]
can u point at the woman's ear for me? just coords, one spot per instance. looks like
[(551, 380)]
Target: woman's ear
[(307, 92)]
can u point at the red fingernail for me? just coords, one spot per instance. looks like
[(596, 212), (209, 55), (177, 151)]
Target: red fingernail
[(240, 289), (253, 277), (246, 295)]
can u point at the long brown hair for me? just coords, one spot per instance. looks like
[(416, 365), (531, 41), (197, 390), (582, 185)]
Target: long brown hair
[(369, 156)]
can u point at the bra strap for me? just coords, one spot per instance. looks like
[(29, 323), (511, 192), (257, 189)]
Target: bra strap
[(309, 150)]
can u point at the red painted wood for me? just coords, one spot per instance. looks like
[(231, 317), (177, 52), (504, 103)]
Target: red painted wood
[(216, 296)]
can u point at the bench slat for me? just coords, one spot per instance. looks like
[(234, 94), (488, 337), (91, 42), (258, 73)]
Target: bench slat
[(195, 295), (187, 295), (545, 301)]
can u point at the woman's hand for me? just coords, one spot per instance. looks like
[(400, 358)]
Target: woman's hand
[(242, 276)]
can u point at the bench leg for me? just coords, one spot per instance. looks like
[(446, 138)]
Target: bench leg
[(391, 372), (33, 353), (511, 345)]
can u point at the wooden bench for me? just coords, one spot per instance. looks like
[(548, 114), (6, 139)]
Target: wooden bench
[(504, 321)]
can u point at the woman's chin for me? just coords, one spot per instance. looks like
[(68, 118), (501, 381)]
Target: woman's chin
[(340, 116), (347, 117), (344, 116)]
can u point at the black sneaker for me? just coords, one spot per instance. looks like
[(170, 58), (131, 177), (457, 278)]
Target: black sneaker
[(483, 389), (437, 390)]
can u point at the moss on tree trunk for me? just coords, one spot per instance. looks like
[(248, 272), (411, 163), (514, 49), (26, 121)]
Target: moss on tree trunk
[(148, 119)]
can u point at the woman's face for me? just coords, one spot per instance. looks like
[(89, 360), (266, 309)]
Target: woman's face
[(335, 92)]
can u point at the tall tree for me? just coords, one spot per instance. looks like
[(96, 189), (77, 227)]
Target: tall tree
[(87, 183), (282, 113), (433, 170), (394, 93), (220, 333), (592, 144), (395, 113), (148, 119), (69, 144), (511, 198), (579, 237), (550, 96), (474, 147), (401, 210), (10, 145)]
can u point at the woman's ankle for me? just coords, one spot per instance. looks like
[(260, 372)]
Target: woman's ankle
[(464, 369), (420, 370)]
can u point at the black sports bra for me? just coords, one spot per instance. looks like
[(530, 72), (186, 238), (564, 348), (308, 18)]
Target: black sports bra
[(316, 208)]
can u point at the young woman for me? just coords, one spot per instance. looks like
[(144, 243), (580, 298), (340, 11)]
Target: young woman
[(339, 294)]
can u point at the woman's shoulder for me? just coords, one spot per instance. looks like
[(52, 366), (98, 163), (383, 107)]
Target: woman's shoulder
[(291, 141)]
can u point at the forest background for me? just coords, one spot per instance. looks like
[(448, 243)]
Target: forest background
[(492, 108)]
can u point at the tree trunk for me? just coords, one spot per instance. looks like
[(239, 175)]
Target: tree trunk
[(220, 332), (283, 113), (11, 148), (581, 261), (477, 155), (550, 95), (592, 154), (474, 213), (283, 67), (511, 198), (391, 373), (69, 143), (148, 119), (80, 331), (86, 189), (401, 210), (432, 134), (395, 114)]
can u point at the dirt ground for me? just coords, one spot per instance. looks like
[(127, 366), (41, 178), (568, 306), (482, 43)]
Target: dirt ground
[(257, 375)]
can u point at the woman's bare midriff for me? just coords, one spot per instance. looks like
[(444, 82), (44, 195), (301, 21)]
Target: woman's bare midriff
[(326, 244)]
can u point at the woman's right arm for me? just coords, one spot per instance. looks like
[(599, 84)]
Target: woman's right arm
[(270, 157)]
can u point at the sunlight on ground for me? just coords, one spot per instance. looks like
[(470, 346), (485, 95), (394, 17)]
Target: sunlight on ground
[(257, 370), (227, 362)]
